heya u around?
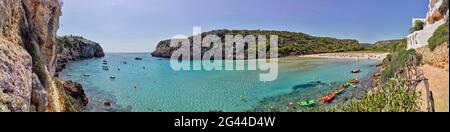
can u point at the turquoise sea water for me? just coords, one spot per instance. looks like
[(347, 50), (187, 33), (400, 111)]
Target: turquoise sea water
[(159, 88)]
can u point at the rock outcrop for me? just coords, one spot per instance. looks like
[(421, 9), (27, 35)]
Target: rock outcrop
[(27, 48), (72, 48), (28, 56), (289, 43), (75, 90), (76, 47)]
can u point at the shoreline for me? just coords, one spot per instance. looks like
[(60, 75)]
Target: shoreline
[(364, 55), (349, 55)]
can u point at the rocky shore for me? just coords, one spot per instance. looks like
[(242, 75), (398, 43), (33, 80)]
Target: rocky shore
[(72, 48)]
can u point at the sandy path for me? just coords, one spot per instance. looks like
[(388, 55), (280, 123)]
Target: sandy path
[(439, 85)]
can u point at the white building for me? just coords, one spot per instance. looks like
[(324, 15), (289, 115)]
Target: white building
[(433, 20)]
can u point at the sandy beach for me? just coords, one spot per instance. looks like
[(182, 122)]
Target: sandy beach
[(350, 55)]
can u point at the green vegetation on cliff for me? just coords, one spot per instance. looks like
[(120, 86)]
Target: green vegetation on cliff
[(418, 25), (386, 45), (290, 43), (397, 60), (440, 36)]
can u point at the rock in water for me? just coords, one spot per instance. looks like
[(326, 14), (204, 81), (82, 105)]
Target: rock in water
[(75, 90)]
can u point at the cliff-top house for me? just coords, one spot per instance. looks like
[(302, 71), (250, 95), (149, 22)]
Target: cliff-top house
[(437, 15)]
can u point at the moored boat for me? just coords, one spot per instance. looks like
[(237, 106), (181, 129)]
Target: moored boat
[(356, 70), (307, 103), (328, 98)]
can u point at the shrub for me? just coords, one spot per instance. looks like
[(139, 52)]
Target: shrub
[(387, 45), (418, 25), (392, 97), (439, 36), (398, 60)]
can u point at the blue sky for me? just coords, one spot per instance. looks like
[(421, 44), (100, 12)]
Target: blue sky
[(138, 25)]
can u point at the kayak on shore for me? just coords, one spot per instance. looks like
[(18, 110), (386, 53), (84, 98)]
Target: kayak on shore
[(307, 103)]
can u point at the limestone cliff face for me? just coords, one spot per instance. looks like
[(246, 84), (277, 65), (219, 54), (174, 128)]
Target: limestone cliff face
[(71, 48), (76, 47), (28, 55)]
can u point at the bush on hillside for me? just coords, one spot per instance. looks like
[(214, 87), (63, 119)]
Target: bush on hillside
[(398, 60), (439, 37), (418, 25), (386, 45), (394, 96)]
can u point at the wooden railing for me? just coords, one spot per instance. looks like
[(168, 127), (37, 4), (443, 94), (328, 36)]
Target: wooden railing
[(414, 76)]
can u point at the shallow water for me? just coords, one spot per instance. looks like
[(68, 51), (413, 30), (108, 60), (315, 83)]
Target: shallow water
[(159, 88)]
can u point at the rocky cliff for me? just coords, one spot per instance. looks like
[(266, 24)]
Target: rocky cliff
[(72, 48), (28, 57), (289, 43)]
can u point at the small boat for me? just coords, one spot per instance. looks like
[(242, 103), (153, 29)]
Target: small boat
[(112, 77), (328, 98), (105, 68), (86, 75), (107, 105), (138, 58), (356, 70), (353, 86), (307, 103), (354, 81), (339, 91)]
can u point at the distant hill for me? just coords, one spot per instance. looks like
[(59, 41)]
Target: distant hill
[(365, 45), (386, 45), (290, 43)]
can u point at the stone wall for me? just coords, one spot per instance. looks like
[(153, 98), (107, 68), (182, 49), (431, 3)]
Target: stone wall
[(439, 57)]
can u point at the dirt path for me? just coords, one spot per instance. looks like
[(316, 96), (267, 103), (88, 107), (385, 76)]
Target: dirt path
[(439, 85)]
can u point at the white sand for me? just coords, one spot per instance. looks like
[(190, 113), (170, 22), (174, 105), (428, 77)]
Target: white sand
[(350, 55)]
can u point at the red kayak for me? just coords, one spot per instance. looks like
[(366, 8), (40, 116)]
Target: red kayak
[(329, 97)]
